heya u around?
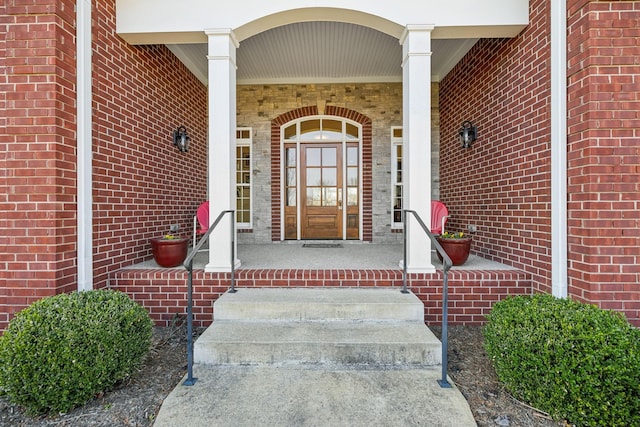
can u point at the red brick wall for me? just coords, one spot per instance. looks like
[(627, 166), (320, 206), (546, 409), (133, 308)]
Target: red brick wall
[(604, 154), (471, 293), (37, 152), (142, 184), (502, 184)]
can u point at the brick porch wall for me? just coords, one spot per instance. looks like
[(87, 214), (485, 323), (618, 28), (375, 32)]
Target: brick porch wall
[(142, 184), (603, 154), (502, 184), (471, 293)]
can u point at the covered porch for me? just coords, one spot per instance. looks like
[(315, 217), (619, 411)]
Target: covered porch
[(338, 139), (268, 120)]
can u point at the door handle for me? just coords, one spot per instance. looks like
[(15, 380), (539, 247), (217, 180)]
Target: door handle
[(339, 198)]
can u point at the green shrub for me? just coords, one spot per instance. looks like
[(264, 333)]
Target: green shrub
[(575, 361), (61, 351)]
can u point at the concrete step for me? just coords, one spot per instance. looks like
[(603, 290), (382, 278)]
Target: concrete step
[(336, 342), (313, 304)]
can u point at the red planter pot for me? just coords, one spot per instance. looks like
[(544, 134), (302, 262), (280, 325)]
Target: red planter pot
[(457, 249), (169, 252)]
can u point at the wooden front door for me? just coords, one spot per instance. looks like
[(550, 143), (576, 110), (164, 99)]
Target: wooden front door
[(321, 191)]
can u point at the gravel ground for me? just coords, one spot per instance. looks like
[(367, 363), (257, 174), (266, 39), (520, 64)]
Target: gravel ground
[(136, 402)]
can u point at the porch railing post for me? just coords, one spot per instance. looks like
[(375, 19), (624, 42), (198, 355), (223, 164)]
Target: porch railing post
[(188, 264), (190, 379), (233, 253), (404, 250), (445, 330), (446, 265)]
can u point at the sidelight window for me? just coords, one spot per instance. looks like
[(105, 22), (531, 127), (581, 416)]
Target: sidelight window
[(396, 177), (244, 171)]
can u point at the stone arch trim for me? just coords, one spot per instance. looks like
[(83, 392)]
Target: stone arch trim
[(367, 164)]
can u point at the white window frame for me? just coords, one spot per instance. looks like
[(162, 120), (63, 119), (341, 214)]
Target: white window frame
[(245, 142), (395, 142)]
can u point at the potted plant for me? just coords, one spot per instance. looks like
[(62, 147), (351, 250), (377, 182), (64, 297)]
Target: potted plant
[(169, 250), (456, 244)]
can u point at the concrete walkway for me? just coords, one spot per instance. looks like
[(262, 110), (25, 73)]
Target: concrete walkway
[(314, 396)]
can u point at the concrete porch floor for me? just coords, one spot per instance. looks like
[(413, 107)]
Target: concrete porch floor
[(351, 255)]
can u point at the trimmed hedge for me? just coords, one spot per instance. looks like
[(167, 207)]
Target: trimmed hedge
[(575, 361), (61, 351)]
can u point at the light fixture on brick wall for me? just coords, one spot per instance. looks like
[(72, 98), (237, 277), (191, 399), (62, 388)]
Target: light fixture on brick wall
[(468, 133), (181, 139)]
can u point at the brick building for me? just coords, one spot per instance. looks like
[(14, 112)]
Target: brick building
[(92, 92)]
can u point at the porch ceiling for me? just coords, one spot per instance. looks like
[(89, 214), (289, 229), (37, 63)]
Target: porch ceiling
[(322, 52)]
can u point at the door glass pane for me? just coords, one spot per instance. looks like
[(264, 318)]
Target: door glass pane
[(313, 177), (290, 132), (399, 163), (352, 196), (332, 125), (291, 196), (310, 129), (352, 156), (332, 130), (330, 197), (329, 178), (313, 157), (329, 156), (314, 197), (352, 131), (291, 156), (291, 177), (352, 176), (398, 191)]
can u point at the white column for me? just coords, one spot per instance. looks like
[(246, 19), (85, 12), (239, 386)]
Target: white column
[(222, 142), (84, 140), (559, 263), (416, 110)]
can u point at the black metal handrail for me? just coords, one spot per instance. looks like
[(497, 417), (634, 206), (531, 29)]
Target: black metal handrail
[(188, 264), (446, 266)]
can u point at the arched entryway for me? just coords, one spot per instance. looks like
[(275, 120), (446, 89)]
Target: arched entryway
[(321, 175)]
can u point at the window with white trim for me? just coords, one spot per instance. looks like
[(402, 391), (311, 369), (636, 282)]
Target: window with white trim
[(244, 172), (396, 177)]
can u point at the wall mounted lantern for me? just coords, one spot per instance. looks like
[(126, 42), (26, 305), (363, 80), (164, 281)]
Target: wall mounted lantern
[(181, 139), (468, 133)]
